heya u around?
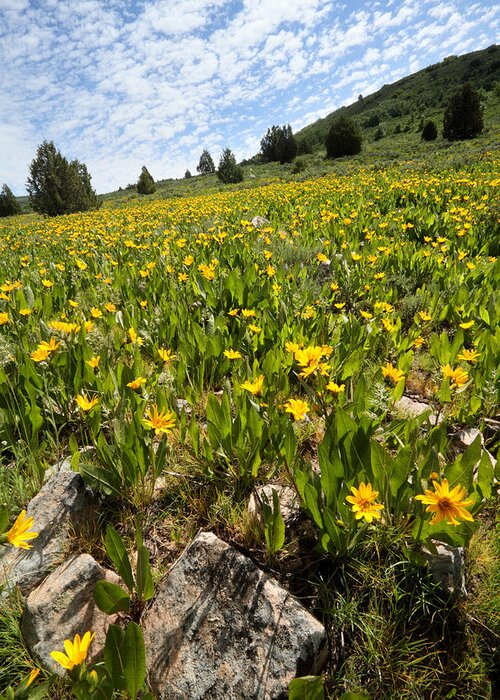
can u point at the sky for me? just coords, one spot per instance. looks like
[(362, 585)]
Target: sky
[(120, 84)]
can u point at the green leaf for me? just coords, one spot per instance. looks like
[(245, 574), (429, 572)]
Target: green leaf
[(111, 598), (306, 688), (118, 554), (274, 525), (134, 659), (144, 580), (4, 519), (114, 656), (485, 473)]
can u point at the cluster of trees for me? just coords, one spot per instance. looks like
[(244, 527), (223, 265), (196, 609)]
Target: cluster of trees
[(57, 186)]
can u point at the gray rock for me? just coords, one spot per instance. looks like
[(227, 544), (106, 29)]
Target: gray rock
[(289, 502), (61, 505), (260, 222), (447, 567), (407, 407), (63, 606), (463, 439), (221, 629)]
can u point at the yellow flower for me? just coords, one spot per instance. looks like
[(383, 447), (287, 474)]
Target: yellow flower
[(25, 312), (466, 325), (232, 354), (366, 314), (471, 355), (254, 328), (72, 303), (85, 403), (47, 283), (297, 408), (446, 504), (51, 346), (247, 313), (76, 651), (255, 387), (160, 422), (335, 388), (418, 342), (4, 318), (33, 674), (166, 355), (322, 258), (40, 354), (292, 347), (392, 373), (355, 256), (182, 277), (233, 312), (110, 307), (363, 502), (425, 316), (309, 359), (95, 313), (136, 383), (270, 271), (135, 339), (94, 361), (18, 534), (458, 377)]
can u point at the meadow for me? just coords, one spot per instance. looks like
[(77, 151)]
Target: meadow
[(202, 352)]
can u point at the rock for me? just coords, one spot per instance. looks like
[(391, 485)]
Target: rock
[(447, 567), (260, 222), (221, 629), (463, 439), (289, 502), (64, 465), (63, 606), (61, 505), (407, 407)]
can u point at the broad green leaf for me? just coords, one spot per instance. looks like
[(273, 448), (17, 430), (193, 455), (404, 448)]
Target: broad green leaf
[(117, 552), (111, 598), (306, 688), (144, 580), (114, 656), (134, 655)]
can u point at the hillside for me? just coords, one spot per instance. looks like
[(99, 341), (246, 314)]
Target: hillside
[(401, 106)]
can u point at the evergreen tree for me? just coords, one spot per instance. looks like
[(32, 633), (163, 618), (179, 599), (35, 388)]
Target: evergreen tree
[(228, 171), (429, 132), (9, 206), (145, 183), (279, 144), (463, 117), (343, 139), (187, 174), (56, 186), (206, 165)]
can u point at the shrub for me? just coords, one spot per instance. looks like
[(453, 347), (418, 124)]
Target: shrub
[(145, 183), (206, 164), (56, 186), (343, 139), (9, 206), (429, 132), (228, 170), (463, 117)]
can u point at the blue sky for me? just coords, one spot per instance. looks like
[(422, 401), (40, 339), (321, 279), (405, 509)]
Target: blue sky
[(120, 84)]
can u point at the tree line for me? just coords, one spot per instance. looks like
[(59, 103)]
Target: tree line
[(57, 186)]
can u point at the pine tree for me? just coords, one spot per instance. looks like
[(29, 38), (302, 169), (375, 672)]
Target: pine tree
[(206, 165), (279, 144), (9, 206), (145, 183), (187, 174), (56, 186), (228, 171), (343, 139), (429, 132), (463, 117)]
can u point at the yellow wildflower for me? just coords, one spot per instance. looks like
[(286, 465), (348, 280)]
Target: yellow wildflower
[(18, 534), (76, 651), (445, 504), (363, 505), (298, 408)]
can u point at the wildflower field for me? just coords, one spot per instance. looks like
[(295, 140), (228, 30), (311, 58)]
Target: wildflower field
[(197, 347)]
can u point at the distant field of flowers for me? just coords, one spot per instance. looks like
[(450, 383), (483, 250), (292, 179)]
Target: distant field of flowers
[(252, 348)]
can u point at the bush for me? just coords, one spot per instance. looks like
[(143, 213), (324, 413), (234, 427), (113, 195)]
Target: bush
[(56, 186), (228, 171), (9, 206), (343, 139), (299, 166), (187, 174), (206, 164), (463, 117), (145, 183), (429, 132), (379, 134), (279, 144)]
